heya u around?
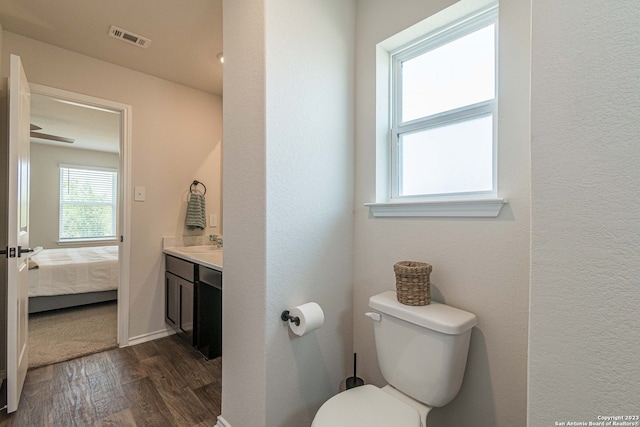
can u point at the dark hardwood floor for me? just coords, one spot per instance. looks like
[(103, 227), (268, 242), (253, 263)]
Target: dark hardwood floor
[(158, 383)]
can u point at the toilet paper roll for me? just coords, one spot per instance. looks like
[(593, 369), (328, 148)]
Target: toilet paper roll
[(311, 318)]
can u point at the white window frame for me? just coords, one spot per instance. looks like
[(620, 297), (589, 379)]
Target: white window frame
[(472, 204), (113, 238)]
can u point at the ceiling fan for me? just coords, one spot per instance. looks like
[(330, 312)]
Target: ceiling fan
[(40, 135)]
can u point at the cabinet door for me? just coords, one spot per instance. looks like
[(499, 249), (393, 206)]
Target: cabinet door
[(209, 313), (172, 299), (186, 307)]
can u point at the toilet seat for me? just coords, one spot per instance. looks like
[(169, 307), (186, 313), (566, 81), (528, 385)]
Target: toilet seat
[(366, 406)]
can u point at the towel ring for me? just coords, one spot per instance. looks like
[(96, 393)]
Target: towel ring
[(195, 184)]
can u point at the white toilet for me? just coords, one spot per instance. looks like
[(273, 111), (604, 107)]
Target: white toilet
[(422, 352)]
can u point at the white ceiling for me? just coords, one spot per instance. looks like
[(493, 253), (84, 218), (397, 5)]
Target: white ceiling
[(91, 128), (186, 37)]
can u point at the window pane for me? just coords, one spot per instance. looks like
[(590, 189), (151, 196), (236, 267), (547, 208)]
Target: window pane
[(453, 158), (87, 203), (86, 221), (454, 75)]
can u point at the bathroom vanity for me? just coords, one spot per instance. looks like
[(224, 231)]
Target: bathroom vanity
[(193, 296)]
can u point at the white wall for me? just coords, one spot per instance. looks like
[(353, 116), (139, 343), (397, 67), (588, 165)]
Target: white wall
[(310, 73), (585, 294), (177, 134), (244, 187), (480, 265), (44, 207), (288, 186)]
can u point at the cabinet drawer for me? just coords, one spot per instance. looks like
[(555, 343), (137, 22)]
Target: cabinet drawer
[(210, 277), (179, 267)]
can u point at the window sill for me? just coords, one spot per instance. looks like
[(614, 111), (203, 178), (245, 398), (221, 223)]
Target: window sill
[(83, 242), (479, 208)]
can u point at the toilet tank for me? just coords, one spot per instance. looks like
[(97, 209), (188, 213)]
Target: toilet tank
[(422, 350)]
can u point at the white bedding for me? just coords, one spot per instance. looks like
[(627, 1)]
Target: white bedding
[(74, 271)]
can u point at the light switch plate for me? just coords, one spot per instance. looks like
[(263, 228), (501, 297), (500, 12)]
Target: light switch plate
[(213, 221), (139, 194)]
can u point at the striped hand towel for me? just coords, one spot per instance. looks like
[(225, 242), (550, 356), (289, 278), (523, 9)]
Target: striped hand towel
[(196, 212)]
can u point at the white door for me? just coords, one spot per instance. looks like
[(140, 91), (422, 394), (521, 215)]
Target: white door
[(18, 233)]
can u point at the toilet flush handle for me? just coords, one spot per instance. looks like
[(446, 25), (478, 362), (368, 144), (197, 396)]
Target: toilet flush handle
[(375, 316)]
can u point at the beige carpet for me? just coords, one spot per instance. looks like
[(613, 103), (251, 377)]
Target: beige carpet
[(61, 335)]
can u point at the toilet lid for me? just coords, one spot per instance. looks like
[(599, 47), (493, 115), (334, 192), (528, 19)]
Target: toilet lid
[(366, 406)]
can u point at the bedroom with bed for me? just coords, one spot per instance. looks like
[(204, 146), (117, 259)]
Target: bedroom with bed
[(73, 270), (69, 277)]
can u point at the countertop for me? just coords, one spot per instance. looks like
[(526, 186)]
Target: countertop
[(207, 256)]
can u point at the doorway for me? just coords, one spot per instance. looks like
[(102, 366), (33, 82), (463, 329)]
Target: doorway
[(80, 211)]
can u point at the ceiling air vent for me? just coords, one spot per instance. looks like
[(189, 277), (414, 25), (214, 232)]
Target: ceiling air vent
[(129, 37)]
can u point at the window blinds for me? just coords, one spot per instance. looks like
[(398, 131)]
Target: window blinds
[(87, 203)]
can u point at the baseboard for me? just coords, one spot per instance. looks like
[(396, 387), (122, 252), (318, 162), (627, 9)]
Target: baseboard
[(149, 337), (222, 422)]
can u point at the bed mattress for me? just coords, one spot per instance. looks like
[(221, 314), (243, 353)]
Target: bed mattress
[(74, 270)]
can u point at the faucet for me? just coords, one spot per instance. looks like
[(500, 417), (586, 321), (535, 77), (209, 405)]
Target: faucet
[(216, 240)]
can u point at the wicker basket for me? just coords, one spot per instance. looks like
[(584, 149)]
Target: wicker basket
[(412, 282)]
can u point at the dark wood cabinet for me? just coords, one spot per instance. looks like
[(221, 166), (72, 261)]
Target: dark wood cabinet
[(187, 302), (209, 312), (172, 300), (180, 296), (193, 304)]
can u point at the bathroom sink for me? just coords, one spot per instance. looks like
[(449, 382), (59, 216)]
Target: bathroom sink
[(199, 249)]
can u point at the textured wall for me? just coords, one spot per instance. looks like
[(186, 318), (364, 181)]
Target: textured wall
[(244, 157), (309, 62), (288, 187), (176, 138), (480, 265), (584, 334)]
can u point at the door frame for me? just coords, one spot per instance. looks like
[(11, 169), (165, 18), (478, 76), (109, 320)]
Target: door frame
[(124, 190)]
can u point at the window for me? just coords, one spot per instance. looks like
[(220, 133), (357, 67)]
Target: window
[(87, 203), (443, 115), (443, 112)]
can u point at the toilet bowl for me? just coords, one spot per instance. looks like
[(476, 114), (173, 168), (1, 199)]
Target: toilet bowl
[(370, 406), (422, 353)]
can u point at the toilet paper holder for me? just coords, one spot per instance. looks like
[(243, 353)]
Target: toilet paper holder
[(285, 316)]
